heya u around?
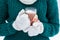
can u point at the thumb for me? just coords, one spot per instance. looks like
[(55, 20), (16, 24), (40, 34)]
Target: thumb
[(35, 18), (21, 12)]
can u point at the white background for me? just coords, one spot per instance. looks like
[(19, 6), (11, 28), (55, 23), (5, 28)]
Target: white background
[(56, 37)]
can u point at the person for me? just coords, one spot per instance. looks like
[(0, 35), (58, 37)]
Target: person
[(26, 23)]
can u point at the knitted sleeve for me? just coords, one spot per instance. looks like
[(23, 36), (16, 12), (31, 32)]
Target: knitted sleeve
[(51, 28), (5, 28)]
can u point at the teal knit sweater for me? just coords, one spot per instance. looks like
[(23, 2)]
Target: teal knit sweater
[(47, 14)]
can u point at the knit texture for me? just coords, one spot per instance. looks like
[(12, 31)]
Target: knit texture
[(47, 11)]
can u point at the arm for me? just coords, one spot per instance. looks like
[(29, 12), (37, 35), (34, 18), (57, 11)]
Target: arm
[(49, 28), (5, 28), (52, 27)]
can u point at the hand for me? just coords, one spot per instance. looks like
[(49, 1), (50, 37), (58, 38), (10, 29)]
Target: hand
[(33, 18), (36, 29), (22, 21), (32, 31)]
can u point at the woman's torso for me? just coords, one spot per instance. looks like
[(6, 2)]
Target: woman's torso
[(14, 6)]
